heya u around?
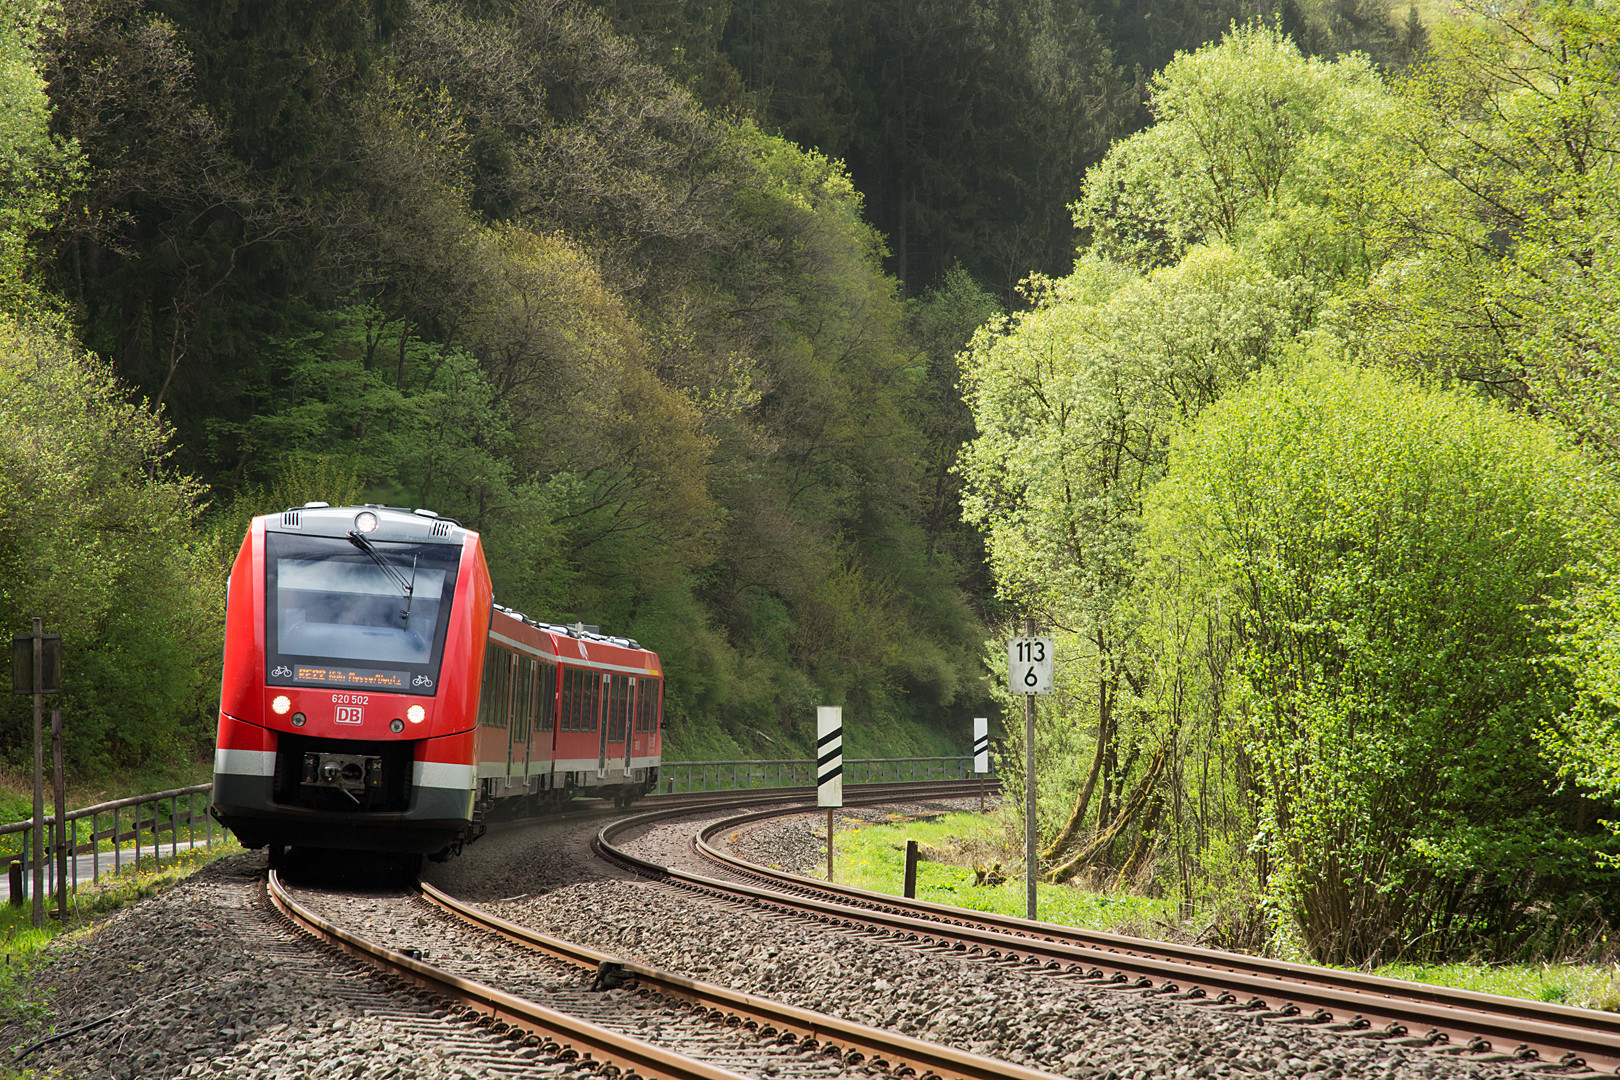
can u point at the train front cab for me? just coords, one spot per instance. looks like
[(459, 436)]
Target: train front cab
[(295, 723)]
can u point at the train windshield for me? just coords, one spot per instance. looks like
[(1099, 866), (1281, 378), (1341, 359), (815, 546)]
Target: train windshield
[(359, 614)]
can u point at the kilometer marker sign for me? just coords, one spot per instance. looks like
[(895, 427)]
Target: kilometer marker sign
[(1029, 665)]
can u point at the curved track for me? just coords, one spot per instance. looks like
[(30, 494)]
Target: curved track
[(789, 1041), (1468, 1025)]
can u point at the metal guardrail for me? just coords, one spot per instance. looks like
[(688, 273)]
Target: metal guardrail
[(142, 822), (691, 776)]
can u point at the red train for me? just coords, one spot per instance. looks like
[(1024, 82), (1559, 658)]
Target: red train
[(375, 697)]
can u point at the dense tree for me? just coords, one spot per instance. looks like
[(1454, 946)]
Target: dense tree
[(1494, 221), (1385, 561), (96, 538)]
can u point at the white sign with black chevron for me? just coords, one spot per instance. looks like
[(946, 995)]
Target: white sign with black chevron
[(829, 755), (981, 744)]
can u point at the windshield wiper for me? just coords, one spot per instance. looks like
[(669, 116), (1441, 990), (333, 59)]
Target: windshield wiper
[(406, 588)]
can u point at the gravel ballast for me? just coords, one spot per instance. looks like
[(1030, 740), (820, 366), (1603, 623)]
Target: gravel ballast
[(219, 987)]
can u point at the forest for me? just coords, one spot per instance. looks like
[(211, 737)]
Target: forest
[(1259, 349)]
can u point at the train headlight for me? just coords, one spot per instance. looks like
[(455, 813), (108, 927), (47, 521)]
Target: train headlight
[(416, 714), (365, 522), (281, 704), (396, 725), (298, 719)]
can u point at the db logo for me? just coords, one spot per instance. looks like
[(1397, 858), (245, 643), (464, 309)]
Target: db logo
[(348, 714)]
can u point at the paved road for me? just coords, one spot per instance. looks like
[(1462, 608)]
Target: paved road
[(87, 865)]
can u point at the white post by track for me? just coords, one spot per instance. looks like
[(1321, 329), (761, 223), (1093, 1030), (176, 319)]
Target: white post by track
[(830, 768), (1029, 672), (981, 753)]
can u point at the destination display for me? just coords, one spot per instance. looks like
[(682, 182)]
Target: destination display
[(336, 676)]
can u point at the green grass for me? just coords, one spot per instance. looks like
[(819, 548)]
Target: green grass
[(1585, 986), (873, 856)]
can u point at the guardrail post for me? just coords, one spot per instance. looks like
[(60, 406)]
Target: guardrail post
[(118, 851)]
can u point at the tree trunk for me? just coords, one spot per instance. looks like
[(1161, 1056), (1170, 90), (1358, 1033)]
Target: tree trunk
[(1144, 842), (1132, 806), (1077, 816)]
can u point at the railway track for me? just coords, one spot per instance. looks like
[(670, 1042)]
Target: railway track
[(702, 1030), (1464, 1025)]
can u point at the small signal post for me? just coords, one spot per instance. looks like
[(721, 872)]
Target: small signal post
[(830, 768), (981, 753), (36, 670), (1029, 672)]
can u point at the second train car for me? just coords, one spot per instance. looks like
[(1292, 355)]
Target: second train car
[(375, 697)]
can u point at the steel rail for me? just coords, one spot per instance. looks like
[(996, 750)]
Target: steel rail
[(1462, 1021), (587, 1041), (1282, 970), (888, 1050)]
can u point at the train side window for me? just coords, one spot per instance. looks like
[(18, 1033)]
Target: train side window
[(570, 699), (486, 689), (626, 702), (546, 706), (503, 691), (593, 699), (493, 698), (646, 695), (565, 705), (583, 701)]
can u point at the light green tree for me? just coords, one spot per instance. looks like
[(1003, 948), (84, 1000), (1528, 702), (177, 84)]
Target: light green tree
[(35, 167), (1375, 567), (1251, 148), (96, 538), (1493, 221), (1076, 403)]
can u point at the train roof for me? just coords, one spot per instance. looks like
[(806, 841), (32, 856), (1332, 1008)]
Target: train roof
[(388, 523), (580, 642)]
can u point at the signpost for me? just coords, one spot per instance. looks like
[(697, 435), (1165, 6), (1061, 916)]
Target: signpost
[(1029, 672), (36, 668), (981, 753), (830, 768)]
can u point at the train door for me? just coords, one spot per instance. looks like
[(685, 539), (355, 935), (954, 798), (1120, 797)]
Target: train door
[(601, 754), (513, 665), (618, 718), (630, 726), (517, 754), (545, 713)]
